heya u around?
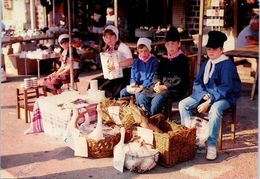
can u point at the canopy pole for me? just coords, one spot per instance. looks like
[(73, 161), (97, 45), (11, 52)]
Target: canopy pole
[(53, 13), (200, 35), (116, 12), (32, 13), (70, 48)]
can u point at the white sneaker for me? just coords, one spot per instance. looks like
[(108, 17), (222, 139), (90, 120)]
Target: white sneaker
[(211, 153)]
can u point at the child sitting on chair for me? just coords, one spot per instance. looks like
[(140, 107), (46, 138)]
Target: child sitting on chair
[(143, 69), (54, 81), (171, 79), (216, 88)]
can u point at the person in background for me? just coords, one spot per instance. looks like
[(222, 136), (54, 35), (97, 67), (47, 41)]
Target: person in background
[(171, 79), (249, 35), (53, 82), (98, 20), (125, 60), (110, 17), (216, 88), (143, 68)]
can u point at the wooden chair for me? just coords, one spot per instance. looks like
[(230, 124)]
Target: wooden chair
[(25, 98), (229, 117)]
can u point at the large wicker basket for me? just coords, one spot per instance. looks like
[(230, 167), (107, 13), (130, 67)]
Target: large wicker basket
[(102, 148), (175, 147)]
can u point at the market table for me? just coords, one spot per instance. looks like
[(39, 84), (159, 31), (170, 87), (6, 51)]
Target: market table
[(38, 58), (247, 52), (51, 114)]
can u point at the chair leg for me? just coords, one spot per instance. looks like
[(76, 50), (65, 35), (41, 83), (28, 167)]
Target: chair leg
[(18, 103), (233, 127), (25, 106), (220, 137)]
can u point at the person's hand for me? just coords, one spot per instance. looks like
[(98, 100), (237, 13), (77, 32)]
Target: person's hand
[(203, 107), (159, 88), (133, 85), (206, 97)]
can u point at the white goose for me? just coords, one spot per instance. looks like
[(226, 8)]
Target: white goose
[(119, 153), (97, 133)]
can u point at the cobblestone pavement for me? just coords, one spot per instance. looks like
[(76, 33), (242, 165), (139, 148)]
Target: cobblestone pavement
[(42, 156)]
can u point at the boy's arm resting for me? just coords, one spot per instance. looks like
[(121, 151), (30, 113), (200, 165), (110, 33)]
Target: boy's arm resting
[(127, 62), (150, 75), (199, 89), (157, 75), (226, 84), (134, 69), (180, 81)]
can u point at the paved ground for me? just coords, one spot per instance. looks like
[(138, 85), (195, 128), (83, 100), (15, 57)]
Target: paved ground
[(41, 156)]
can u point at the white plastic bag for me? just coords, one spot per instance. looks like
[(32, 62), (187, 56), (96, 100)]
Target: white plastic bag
[(202, 127)]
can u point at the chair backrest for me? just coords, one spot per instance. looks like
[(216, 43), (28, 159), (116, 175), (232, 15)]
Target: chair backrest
[(192, 63)]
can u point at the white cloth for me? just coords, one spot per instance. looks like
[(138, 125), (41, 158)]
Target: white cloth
[(210, 69)]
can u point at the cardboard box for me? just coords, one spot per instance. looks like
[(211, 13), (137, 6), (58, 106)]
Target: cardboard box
[(16, 66)]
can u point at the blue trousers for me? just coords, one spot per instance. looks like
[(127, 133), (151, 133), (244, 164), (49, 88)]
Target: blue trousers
[(152, 105), (215, 116), (124, 93)]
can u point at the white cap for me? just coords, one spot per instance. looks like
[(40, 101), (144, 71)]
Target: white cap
[(113, 28), (109, 9), (145, 41), (63, 36)]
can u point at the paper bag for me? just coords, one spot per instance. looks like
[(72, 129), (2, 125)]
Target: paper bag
[(107, 58)]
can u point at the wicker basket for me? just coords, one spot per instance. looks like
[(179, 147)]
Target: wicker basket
[(102, 148), (175, 147)]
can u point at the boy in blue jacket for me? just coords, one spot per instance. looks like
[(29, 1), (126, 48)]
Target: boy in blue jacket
[(143, 69), (216, 88)]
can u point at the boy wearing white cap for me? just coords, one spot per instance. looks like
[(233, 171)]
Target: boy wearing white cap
[(143, 69), (216, 88), (171, 79), (124, 61)]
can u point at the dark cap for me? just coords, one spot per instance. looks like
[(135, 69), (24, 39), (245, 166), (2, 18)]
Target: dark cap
[(172, 35), (216, 39)]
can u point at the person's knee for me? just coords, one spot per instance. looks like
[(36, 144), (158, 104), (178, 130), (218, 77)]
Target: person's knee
[(123, 93), (215, 113), (182, 105), (140, 98)]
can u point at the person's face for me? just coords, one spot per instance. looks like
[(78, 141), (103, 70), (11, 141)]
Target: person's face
[(143, 52), (109, 39), (214, 53), (172, 47), (65, 45)]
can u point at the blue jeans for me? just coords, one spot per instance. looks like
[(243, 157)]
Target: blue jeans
[(152, 105), (124, 93), (215, 116)]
